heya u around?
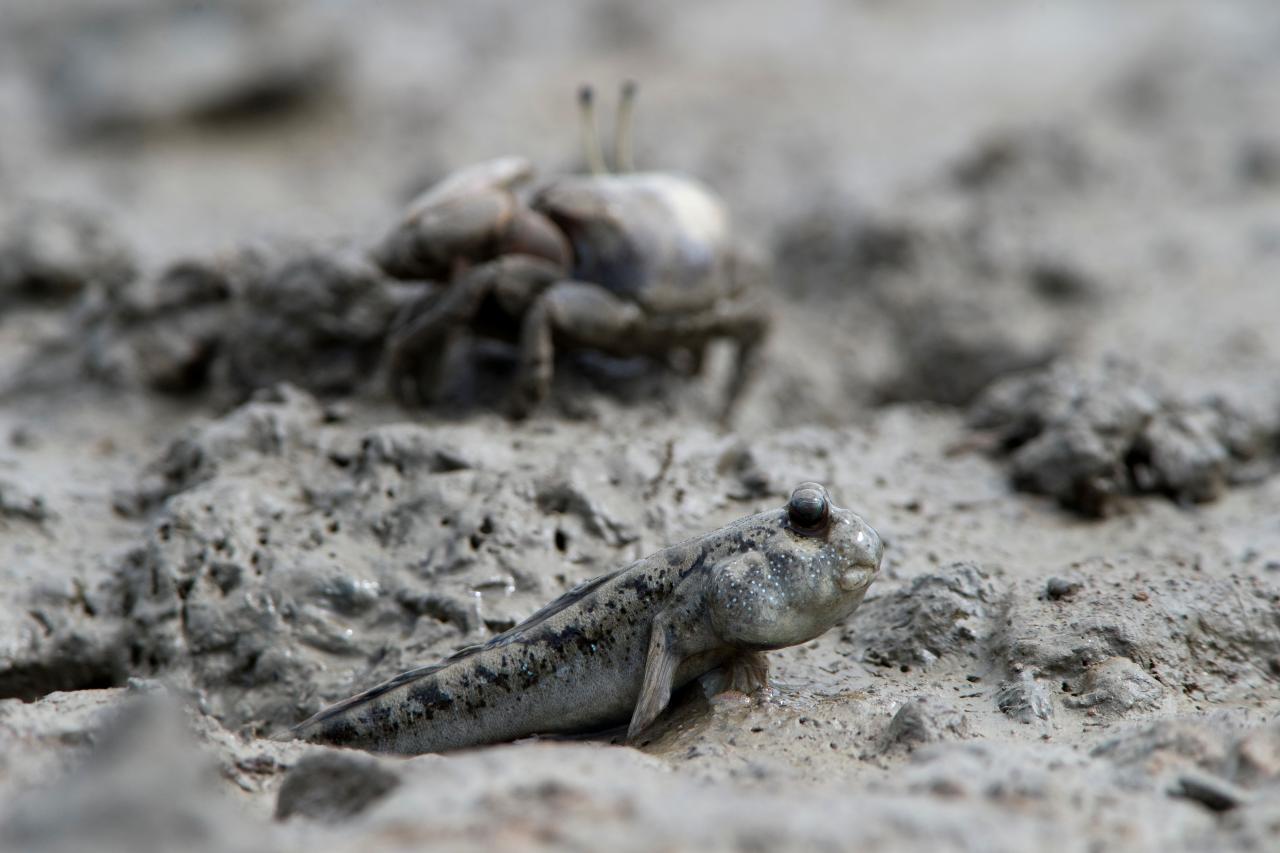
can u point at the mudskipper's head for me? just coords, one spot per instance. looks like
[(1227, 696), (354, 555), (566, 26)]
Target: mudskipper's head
[(849, 546), (807, 575)]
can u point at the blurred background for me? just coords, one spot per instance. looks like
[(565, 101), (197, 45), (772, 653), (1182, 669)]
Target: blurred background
[(1085, 175), (204, 122)]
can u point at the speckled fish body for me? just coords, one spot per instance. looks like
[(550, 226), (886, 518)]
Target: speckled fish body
[(616, 646)]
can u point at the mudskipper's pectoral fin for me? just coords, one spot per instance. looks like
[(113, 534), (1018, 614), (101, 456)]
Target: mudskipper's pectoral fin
[(747, 672), (659, 673)]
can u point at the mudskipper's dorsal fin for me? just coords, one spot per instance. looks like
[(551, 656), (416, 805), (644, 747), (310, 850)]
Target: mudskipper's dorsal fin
[(570, 598)]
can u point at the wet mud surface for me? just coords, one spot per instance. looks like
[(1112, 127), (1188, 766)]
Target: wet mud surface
[(1023, 266)]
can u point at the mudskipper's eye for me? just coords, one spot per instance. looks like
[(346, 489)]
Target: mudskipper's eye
[(808, 507)]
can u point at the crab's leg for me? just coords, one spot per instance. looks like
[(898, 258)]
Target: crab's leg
[(416, 351), (588, 316), (750, 329), (583, 314), (745, 322)]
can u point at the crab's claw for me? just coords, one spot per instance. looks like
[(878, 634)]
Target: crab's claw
[(471, 216)]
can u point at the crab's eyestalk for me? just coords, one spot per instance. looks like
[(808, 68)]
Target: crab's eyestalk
[(622, 160), (590, 138)]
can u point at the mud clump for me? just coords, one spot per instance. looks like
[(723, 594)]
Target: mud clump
[(1117, 685), (1256, 757), (277, 421), (934, 617), (1222, 761), (1090, 437), (56, 251), (164, 332), (1127, 646), (317, 319), (289, 561), (246, 320)]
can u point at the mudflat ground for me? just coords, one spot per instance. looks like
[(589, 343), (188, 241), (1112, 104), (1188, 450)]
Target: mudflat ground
[(1025, 293)]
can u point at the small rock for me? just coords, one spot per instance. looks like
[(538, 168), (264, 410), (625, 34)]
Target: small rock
[(1117, 685), (332, 786), (1024, 698), (1059, 281), (1213, 793), (1060, 588), (925, 720)]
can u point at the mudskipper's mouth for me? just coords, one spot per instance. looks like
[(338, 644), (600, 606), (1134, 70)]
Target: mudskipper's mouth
[(857, 577)]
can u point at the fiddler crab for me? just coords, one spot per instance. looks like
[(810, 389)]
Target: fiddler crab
[(625, 263)]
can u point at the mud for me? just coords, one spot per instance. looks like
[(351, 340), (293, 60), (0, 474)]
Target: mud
[(54, 252), (1023, 295), (1090, 437)]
